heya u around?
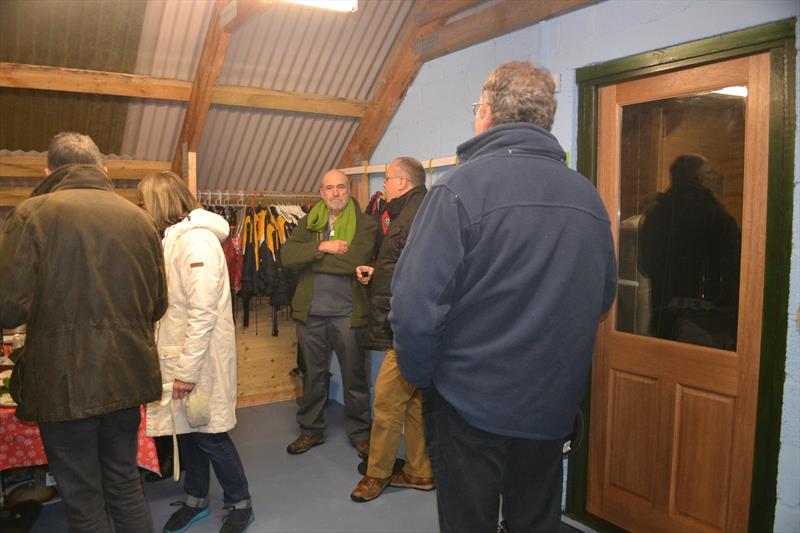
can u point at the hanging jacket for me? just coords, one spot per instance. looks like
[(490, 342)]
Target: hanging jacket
[(83, 267), (402, 211), (196, 338), (232, 248)]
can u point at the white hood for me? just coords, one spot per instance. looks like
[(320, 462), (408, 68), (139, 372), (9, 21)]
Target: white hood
[(200, 218)]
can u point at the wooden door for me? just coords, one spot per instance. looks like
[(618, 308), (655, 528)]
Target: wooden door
[(682, 169)]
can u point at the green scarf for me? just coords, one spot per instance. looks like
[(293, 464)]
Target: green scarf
[(344, 227)]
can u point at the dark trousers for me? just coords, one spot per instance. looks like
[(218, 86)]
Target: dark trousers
[(318, 336), (94, 463), (198, 450), (473, 469)]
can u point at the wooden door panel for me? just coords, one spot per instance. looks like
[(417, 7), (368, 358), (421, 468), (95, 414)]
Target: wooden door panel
[(701, 367), (632, 444), (673, 421), (704, 423)]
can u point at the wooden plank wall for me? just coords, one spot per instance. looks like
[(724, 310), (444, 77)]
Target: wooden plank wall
[(264, 361)]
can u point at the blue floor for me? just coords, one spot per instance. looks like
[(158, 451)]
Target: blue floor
[(308, 493), (303, 493)]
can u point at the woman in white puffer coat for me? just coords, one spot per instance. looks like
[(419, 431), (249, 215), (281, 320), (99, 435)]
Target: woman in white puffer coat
[(197, 350)]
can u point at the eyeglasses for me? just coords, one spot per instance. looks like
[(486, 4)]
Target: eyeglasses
[(387, 178), (475, 107)]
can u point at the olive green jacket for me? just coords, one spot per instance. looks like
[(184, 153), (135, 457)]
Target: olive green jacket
[(83, 268), (300, 252)]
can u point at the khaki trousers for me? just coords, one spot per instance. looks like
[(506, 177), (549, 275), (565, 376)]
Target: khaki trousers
[(397, 403)]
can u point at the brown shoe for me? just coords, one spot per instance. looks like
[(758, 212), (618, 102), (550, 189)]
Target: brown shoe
[(303, 443), (368, 489), (402, 479), (362, 448)]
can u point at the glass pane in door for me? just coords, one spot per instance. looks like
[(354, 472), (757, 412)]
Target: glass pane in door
[(680, 213)]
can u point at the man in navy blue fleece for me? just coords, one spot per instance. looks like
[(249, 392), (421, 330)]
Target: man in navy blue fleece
[(507, 271)]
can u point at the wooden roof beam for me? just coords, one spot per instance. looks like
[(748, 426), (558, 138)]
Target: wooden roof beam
[(21, 76), (237, 12), (13, 196), (208, 70), (442, 10), (416, 44), (32, 166), (74, 80), (495, 20), (399, 70)]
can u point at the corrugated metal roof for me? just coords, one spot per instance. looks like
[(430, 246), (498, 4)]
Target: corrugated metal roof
[(284, 47), (83, 34)]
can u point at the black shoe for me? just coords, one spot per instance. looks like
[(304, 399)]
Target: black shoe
[(184, 517), (238, 520), (20, 517)]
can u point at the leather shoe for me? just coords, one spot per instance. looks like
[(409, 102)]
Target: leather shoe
[(368, 489), (405, 480), (362, 448), (304, 442)]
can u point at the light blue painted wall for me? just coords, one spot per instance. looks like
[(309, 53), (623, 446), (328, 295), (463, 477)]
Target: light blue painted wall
[(435, 117)]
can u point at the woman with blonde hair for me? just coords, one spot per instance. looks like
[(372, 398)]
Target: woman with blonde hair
[(197, 351)]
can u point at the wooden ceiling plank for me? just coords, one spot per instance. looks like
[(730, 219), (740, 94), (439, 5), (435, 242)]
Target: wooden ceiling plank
[(399, 70), (208, 70), (443, 9), (21, 76), (495, 20), (32, 166)]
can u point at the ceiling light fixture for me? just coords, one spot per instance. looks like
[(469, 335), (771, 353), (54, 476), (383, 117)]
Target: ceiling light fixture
[(347, 6), (736, 90)]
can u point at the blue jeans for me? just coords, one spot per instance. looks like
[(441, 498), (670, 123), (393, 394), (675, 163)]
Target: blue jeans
[(94, 462), (197, 451)]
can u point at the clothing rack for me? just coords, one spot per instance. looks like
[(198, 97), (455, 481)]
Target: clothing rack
[(245, 198)]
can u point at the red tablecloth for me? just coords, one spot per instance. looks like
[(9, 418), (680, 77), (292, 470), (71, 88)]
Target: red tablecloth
[(21, 445)]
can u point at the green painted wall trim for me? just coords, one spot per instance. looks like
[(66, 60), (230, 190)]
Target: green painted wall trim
[(765, 34), (772, 375), (779, 40)]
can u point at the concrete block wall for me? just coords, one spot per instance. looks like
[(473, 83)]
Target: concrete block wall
[(435, 117)]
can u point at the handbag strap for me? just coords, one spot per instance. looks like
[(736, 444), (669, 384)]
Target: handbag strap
[(176, 459)]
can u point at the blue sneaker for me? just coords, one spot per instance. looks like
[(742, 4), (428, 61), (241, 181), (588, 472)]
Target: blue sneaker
[(183, 518), (238, 520)]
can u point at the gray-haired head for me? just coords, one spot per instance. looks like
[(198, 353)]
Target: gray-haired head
[(411, 169), (520, 92), (69, 148)]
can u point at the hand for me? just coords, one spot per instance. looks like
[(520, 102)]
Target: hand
[(335, 247), (180, 389), (364, 274)]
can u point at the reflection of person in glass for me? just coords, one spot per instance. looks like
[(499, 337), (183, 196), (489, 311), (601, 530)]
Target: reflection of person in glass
[(690, 249)]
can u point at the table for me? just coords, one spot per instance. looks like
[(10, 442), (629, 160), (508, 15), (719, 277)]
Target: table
[(21, 445)]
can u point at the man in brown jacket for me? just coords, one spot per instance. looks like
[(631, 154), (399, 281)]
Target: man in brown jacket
[(84, 269)]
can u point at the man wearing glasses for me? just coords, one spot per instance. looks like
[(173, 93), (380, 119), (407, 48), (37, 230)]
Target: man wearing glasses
[(495, 305), (397, 403)]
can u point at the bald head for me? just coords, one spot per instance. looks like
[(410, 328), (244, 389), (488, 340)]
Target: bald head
[(334, 189)]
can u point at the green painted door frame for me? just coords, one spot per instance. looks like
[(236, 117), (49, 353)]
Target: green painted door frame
[(778, 39)]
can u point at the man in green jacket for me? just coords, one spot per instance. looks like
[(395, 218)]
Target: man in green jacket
[(83, 268), (330, 308)]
